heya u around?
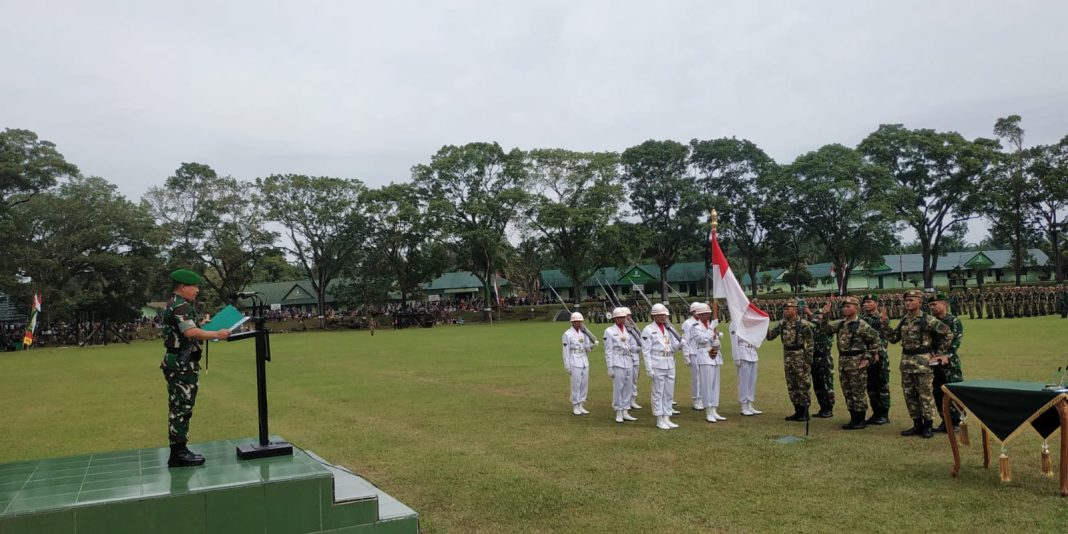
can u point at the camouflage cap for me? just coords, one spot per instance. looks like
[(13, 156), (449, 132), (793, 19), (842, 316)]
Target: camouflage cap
[(187, 277), (851, 300), (790, 304), (939, 296), (914, 294), (870, 296)]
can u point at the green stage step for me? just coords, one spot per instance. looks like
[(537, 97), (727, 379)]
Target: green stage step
[(134, 491)]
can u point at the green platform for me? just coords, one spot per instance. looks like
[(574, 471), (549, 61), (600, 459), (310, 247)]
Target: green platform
[(134, 491)]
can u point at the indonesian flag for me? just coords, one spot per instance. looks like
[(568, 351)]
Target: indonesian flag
[(752, 321), (35, 310)]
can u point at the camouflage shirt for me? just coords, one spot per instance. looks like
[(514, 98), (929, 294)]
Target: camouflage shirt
[(178, 317), (796, 335), (919, 335), (855, 338), (953, 370)]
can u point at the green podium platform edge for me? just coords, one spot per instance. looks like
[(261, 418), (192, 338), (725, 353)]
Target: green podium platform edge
[(134, 491)]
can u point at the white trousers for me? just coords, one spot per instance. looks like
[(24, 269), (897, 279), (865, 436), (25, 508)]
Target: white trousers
[(709, 384), (634, 385), (622, 387), (580, 384), (695, 379), (747, 375), (663, 386)]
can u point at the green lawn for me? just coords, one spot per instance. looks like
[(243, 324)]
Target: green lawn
[(470, 426)]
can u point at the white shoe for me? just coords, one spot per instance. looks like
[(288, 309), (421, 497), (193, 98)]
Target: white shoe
[(583, 409), (698, 405), (717, 415), (575, 410), (619, 416), (628, 417), (635, 406), (710, 415), (673, 403), (675, 412), (746, 410), (754, 409), (667, 419), (661, 424)]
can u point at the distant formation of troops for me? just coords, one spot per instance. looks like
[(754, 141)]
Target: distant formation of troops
[(928, 332)]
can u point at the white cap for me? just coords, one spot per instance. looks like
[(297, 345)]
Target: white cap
[(702, 308), (626, 310), (619, 312), (576, 316), (659, 309), (694, 306)]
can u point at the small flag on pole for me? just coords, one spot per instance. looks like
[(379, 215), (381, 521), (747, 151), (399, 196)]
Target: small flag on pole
[(31, 325), (752, 321)]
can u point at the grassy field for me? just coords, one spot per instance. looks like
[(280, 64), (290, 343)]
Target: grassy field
[(470, 426)]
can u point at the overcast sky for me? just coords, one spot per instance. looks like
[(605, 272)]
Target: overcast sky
[(130, 90)]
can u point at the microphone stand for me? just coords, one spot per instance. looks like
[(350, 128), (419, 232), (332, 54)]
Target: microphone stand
[(264, 448)]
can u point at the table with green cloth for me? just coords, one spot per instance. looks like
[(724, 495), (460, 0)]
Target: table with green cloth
[(1006, 409)]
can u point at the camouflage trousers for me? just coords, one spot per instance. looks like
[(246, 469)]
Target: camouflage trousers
[(919, 393), (879, 384), (182, 389), (854, 383), (798, 376), (823, 379)]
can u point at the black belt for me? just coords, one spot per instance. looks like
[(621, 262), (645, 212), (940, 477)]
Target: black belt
[(914, 352), (851, 352), (793, 347)]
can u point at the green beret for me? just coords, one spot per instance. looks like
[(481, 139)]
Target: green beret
[(187, 277), (940, 296), (871, 297)]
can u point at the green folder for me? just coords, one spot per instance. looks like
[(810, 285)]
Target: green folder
[(229, 318)]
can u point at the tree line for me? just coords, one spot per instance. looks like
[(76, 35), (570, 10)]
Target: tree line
[(85, 246)]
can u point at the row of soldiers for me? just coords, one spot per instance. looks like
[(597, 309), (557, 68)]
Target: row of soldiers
[(1010, 302)]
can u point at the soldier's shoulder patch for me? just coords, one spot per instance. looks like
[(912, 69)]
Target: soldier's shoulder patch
[(181, 308)]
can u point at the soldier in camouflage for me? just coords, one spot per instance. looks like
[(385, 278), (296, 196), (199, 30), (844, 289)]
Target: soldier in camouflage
[(948, 368), (797, 345), (879, 369), (858, 345), (924, 339), (822, 366), (180, 365)]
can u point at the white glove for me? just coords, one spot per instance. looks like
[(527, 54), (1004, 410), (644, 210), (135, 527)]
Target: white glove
[(611, 373), (686, 360), (567, 370)]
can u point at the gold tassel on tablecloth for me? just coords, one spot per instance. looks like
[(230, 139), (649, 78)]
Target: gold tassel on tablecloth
[(1003, 465), (1047, 464), (964, 429)]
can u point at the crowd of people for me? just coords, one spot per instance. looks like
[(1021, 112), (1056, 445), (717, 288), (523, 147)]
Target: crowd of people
[(929, 333)]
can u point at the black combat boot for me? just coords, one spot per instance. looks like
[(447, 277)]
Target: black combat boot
[(825, 412), (856, 421), (880, 417), (182, 457), (191, 453), (926, 431), (802, 413), (797, 413), (917, 428)]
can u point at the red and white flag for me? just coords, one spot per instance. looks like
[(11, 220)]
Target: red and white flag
[(752, 322)]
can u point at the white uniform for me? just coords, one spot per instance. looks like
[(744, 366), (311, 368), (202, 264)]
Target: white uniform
[(701, 339), (617, 357), (636, 360), (659, 348), (577, 363), (745, 359), (688, 359)]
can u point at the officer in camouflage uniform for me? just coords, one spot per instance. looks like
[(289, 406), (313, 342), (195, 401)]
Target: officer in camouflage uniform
[(1062, 300), (797, 348), (858, 345), (948, 369), (923, 339), (180, 365), (822, 366), (879, 368)]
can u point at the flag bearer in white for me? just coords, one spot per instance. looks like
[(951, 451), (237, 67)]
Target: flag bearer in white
[(689, 358), (703, 341), (577, 363), (745, 359), (636, 359), (659, 346), (617, 347)]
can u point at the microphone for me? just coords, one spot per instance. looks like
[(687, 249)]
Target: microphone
[(243, 294)]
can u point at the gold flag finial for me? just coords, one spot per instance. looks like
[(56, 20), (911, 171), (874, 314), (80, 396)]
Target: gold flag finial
[(714, 218)]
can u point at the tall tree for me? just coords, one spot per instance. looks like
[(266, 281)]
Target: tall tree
[(84, 246), (477, 190), (525, 264), (28, 166), (576, 195), (324, 220), (666, 201), (214, 223), (936, 182), (734, 175), (1048, 196), (1006, 195), (842, 206)]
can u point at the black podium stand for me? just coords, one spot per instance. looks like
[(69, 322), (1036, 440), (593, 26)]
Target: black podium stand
[(264, 448)]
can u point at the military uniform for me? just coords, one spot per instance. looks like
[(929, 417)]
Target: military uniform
[(181, 366), (918, 334), (617, 354), (951, 372), (658, 348), (858, 342), (878, 373), (577, 364), (745, 360), (704, 344), (691, 362), (823, 369), (797, 347)]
